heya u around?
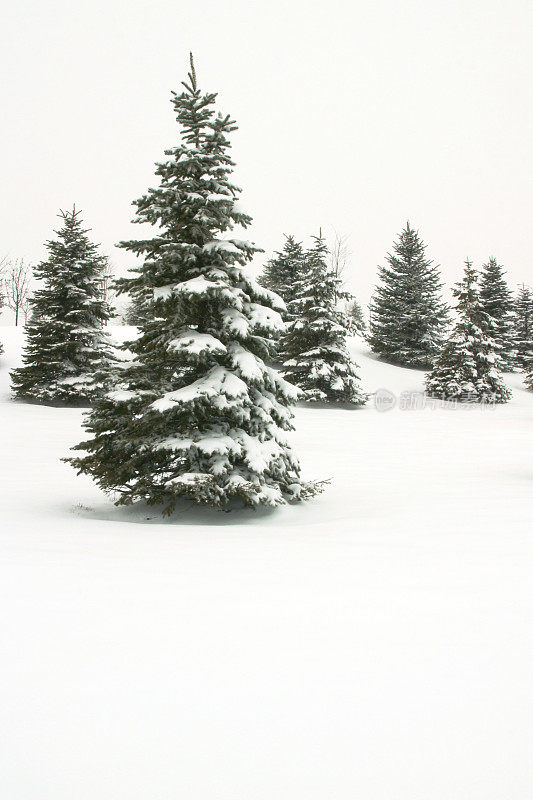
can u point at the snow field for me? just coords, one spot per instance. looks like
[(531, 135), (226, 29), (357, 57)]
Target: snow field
[(374, 643)]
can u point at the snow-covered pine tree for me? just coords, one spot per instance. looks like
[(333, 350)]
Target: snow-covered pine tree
[(528, 380), (497, 300), (314, 344), (282, 272), (198, 413), (139, 305), (355, 317), (281, 275), (408, 316), (67, 356), (469, 368), (523, 327)]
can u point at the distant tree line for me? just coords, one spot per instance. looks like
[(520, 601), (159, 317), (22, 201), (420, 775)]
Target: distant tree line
[(409, 323)]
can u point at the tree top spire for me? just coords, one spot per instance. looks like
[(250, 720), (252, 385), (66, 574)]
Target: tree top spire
[(192, 73), (69, 214)]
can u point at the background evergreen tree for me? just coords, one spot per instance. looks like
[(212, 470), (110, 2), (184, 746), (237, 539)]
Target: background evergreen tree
[(316, 358), (281, 275), (67, 354), (408, 317), (523, 327), (529, 376), (139, 307), (198, 413), (283, 271), (355, 317), (469, 367), (497, 301)]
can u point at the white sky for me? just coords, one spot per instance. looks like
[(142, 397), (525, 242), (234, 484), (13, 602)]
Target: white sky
[(354, 115)]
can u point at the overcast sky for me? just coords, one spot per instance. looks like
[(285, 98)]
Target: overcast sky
[(352, 115)]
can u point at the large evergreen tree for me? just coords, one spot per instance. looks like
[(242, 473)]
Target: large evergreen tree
[(198, 413), (408, 316), (469, 368), (523, 327), (497, 301), (67, 355), (314, 344)]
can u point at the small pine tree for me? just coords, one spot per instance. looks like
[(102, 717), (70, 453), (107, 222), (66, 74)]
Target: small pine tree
[(408, 317), (67, 355), (523, 327), (282, 272), (355, 317), (140, 303), (469, 367), (529, 376), (314, 344), (497, 301), (281, 275), (198, 413)]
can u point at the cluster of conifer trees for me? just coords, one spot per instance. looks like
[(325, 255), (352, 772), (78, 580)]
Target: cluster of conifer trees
[(203, 407), (312, 348), (410, 322), (410, 325)]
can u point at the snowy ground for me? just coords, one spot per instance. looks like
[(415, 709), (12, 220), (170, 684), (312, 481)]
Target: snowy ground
[(376, 643)]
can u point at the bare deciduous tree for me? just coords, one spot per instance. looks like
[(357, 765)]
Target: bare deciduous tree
[(3, 262), (17, 287), (339, 254), (108, 287)]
